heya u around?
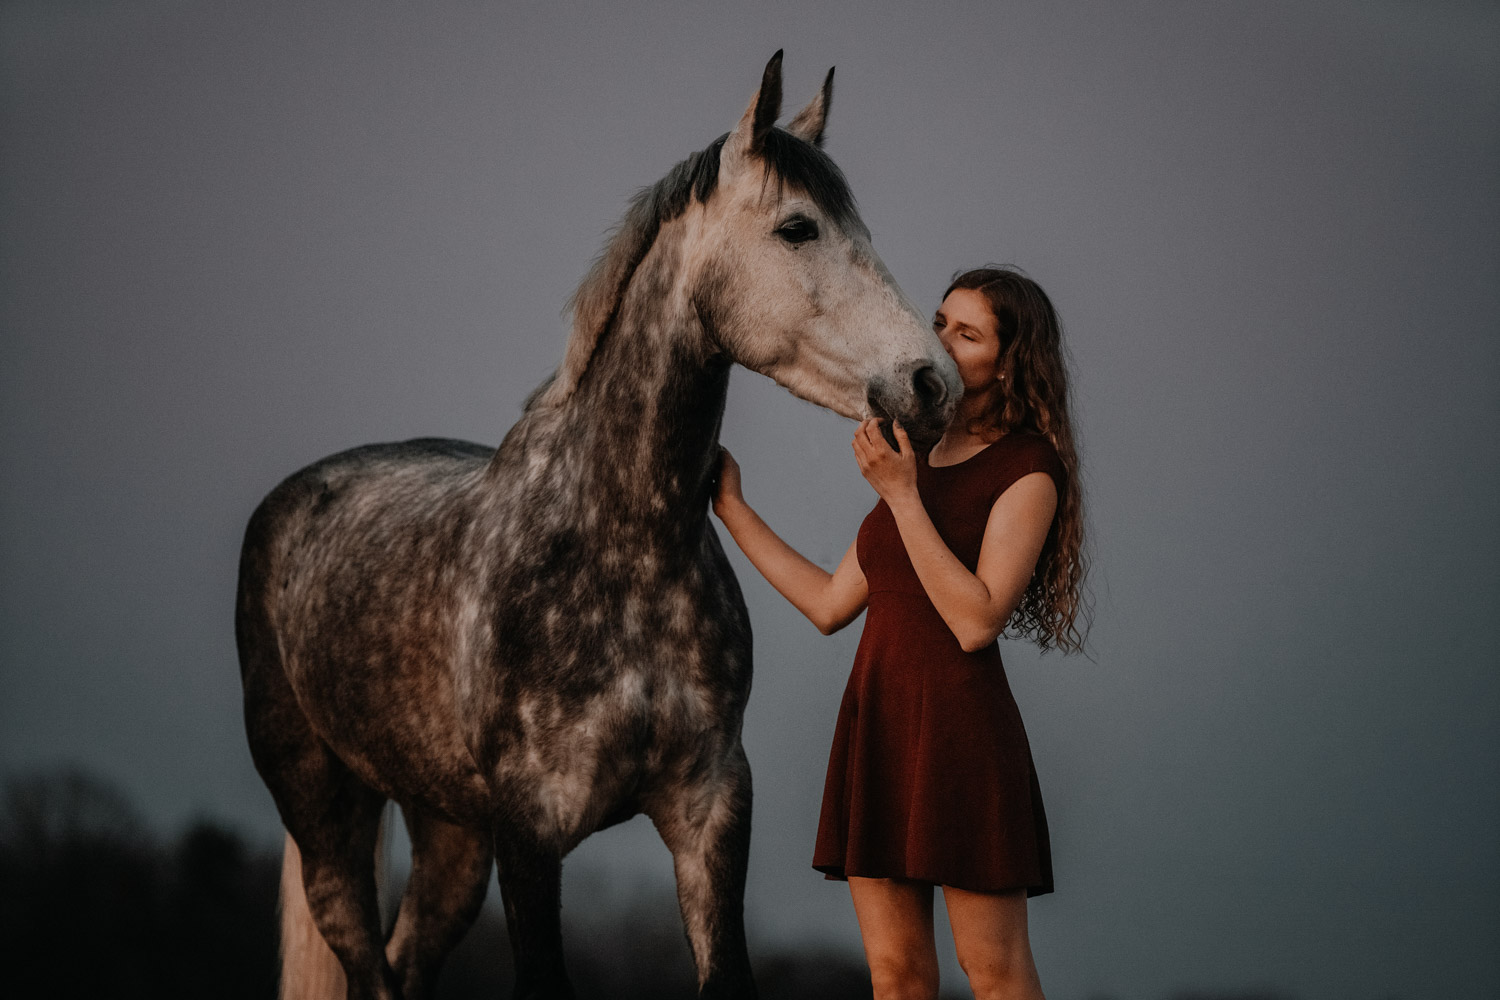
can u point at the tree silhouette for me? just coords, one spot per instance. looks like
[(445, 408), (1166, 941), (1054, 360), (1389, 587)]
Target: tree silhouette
[(92, 906)]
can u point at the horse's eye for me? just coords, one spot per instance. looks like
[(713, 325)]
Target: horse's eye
[(798, 230)]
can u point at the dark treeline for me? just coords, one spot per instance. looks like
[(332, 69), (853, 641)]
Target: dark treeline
[(92, 905)]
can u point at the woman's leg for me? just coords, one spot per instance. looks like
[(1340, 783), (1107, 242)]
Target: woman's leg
[(895, 920), (989, 932)]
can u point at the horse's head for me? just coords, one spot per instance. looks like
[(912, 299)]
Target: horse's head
[(755, 244), (787, 284)]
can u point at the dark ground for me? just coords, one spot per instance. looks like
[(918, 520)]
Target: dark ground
[(93, 905)]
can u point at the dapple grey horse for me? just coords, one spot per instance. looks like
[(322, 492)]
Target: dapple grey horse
[(524, 645)]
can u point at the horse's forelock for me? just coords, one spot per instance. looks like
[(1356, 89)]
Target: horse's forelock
[(803, 165)]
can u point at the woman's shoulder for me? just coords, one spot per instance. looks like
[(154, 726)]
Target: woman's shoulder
[(1020, 453), (1029, 444)]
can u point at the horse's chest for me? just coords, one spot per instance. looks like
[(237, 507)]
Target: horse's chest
[(627, 724), (574, 762), (586, 631), (611, 688)]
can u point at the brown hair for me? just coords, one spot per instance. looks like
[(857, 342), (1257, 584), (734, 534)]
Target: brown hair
[(1034, 397)]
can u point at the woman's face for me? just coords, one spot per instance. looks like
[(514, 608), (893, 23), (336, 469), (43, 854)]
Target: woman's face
[(971, 336)]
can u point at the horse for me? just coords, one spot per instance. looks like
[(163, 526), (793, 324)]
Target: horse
[(523, 645)]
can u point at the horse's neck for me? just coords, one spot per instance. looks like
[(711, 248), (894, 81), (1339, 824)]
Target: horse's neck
[(636, 441), (645, 421)]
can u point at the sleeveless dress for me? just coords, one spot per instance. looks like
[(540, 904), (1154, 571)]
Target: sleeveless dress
[(930, 776)]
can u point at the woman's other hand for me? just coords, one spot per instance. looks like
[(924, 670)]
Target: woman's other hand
[(727, 484), (892, 473)]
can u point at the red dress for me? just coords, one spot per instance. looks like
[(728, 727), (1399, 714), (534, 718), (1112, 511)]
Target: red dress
[(930, 776)]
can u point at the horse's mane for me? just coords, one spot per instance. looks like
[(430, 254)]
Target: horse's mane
[(787, 159)]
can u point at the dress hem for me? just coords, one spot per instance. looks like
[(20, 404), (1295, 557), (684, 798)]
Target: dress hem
[(836, 873)]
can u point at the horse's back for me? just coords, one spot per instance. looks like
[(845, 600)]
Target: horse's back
[(421, 471), (370, 465)]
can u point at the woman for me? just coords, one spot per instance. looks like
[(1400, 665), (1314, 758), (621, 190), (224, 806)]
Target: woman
[(930, 780)]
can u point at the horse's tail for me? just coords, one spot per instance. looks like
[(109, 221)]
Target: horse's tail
[(309, 969)]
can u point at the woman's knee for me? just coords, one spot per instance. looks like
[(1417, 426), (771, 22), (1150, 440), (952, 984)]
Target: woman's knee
[(1004, 972), (904, 976)]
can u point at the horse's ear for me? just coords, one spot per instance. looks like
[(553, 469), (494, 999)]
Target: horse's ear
[(750, 134), (813, 119)]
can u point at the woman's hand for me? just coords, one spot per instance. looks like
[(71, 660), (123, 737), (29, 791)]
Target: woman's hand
[(829, 600), (727, 483), (892, 473)]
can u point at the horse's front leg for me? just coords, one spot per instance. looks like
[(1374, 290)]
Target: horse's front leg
[(705, 821), (531, 888)]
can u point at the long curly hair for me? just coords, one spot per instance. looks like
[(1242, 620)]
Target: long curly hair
[(1034, 396)]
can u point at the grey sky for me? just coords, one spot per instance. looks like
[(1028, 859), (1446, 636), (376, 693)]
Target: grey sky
[(235, 240)]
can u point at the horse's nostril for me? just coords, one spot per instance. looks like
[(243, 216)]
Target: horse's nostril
[(929, 386)]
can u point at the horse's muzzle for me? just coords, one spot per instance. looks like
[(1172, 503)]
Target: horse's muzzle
[(923, 402)]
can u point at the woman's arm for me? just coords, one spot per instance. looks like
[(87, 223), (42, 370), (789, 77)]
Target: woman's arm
[(975, 605), (829, 600)]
